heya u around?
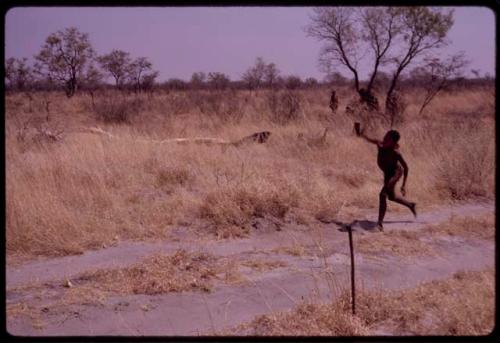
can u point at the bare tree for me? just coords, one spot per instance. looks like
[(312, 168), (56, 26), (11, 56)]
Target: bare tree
[(92, 81), (436, 75), (19, 76), (218, 80), (198, 79), (311, 82), (475, 72), (293, 82), (340, 32), (116, 64), (136, 70), (390, 36), (148, 81), (174, 84), (423, 30), (64, 56), (271, 73), (10, 72), (254, 76), (380, 26)]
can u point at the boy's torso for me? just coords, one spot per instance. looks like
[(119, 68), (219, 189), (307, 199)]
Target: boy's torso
[(387, 160)]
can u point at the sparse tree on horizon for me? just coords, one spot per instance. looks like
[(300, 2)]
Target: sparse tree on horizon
[(136, 72), (63, 58), (311, 82), (148, 81), (293, 82), (271, 73), (92, 80), (116, 64), (255, 76), (18, 74), (219, 81), (198, 79)]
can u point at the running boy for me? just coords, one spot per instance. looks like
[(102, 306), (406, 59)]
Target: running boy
[(391, 162)]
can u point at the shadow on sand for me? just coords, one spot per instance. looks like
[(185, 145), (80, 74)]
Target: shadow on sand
[(366, 225)]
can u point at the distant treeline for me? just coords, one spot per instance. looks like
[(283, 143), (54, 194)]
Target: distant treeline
[(68, 62)]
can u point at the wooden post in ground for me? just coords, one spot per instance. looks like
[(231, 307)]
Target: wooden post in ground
[(353, 285)]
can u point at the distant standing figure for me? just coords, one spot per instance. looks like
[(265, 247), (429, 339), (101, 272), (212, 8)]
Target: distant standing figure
[(334, 102), (391, 162)]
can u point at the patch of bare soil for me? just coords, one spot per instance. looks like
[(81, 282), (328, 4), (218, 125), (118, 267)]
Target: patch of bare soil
[(193, 287)]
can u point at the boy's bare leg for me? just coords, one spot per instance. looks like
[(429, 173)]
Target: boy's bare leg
[(382, 208), (389, 192), (391, 185)]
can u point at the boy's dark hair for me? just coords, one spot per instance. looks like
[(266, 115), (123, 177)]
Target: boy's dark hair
[(394, 135)]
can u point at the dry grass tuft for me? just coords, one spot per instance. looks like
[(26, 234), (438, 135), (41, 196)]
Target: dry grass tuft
[(263, 265), (179, 272), (465, 155), (230, 211), (432, 308), (429, 309), (295, 250), (399, 243), (169, 177), (479, 227), (115, 109), (51, 299), (305, 320)]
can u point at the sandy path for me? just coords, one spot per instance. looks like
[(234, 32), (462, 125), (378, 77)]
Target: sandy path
[(278, 289)]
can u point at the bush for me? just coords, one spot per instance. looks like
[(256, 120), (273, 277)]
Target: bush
[(114, 109), (172, 176), (221, 104), (466, 164), (231, 211), (285, 106)]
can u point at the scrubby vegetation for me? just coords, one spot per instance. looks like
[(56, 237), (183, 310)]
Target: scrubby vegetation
[(80, 190), (423, 310)]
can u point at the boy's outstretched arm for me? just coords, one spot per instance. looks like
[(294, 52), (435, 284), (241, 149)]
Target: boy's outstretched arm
[(405, 173), (371, 140), (361, 133)]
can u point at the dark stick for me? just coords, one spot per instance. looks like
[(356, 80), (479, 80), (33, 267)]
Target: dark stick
[(353, 285), (357, 128)]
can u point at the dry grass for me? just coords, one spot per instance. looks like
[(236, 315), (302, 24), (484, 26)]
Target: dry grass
[(157, 274), (263, 265), (230, 211), (52, 299), (479, 227), (410, 243), (162, 273), (294, 250), (305, 320), (88, 190), (460, 305), (399, 243)]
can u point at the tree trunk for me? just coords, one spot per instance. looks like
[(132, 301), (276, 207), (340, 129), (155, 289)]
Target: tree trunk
[(367, 97)]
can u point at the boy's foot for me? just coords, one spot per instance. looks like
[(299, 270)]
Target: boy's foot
[(413, 209), (380, 227)]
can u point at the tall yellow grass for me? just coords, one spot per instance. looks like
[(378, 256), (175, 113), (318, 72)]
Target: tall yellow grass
[(87, 190)]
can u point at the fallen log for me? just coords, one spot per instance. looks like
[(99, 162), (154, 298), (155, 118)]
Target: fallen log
[(258, 137)]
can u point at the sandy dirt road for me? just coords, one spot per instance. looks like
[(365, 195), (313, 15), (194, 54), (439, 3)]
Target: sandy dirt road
[(315, 265)]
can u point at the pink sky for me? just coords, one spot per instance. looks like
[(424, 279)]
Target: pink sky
[(180, 41)]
